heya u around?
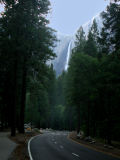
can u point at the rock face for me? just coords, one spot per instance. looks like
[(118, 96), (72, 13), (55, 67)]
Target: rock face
[(66, 43), (61, 52)]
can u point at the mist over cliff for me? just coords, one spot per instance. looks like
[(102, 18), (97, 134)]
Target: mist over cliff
[(66, 43)]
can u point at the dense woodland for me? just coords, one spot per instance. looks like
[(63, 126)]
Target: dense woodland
[(92, 83), (86, 97), (26, 44)]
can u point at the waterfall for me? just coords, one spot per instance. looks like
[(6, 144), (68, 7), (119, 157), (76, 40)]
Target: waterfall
[(68, 56)]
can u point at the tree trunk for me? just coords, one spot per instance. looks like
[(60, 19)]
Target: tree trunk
[(78, 114), (94, 129), (109, 132), (23, 97), (2, 126), (14, 99), (88, 120)]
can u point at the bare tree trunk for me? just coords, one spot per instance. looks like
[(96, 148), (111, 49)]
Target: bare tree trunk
[(14, 99), (78, 120), (23, 97), (88, 120), (109, 132)]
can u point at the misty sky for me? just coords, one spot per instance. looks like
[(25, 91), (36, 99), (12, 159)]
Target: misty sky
[(1, 8), (67, 15)]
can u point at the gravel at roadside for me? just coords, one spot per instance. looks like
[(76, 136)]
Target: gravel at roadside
[(115, 152), (21, 151)]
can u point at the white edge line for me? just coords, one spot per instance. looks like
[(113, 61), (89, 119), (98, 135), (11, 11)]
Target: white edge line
[(76, 155), (29, 152)]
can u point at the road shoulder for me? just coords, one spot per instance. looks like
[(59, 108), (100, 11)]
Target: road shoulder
[(6, 145), (21, 151), (99, 147)]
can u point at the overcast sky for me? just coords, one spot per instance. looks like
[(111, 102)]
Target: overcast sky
[(67, 15), (1, 8)]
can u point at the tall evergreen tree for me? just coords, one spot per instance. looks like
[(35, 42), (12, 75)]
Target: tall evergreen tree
[(95, 31), (80, 40), (109, 39), (91, 47), (28, 43)]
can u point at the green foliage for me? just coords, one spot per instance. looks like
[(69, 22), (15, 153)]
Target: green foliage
[(109, 39), (91, 46), (86, 97), (40, 98), (92, 83), (26, 44), (80, 40)]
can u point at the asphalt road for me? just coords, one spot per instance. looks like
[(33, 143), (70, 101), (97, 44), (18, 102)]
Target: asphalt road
[(56, 146), (6, 146)]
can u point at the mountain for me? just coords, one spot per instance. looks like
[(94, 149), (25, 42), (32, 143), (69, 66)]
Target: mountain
[(66, 44), (61, 52), (87, 25)]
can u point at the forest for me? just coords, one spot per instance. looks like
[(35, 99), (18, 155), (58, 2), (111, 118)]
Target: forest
[(85, 98)]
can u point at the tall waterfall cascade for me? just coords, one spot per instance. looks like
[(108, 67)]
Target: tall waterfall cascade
[(68, 56), (67, 43)]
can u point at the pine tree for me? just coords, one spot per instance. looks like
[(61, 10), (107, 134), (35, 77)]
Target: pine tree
[(26, 42), (95, 31), (109, 40), (80, 40), (90, 46)]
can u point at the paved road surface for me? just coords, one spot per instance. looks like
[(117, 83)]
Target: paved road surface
[(6, 146), (56, 146)]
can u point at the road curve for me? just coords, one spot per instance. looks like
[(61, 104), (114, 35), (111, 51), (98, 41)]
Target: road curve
[(56, 146)]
